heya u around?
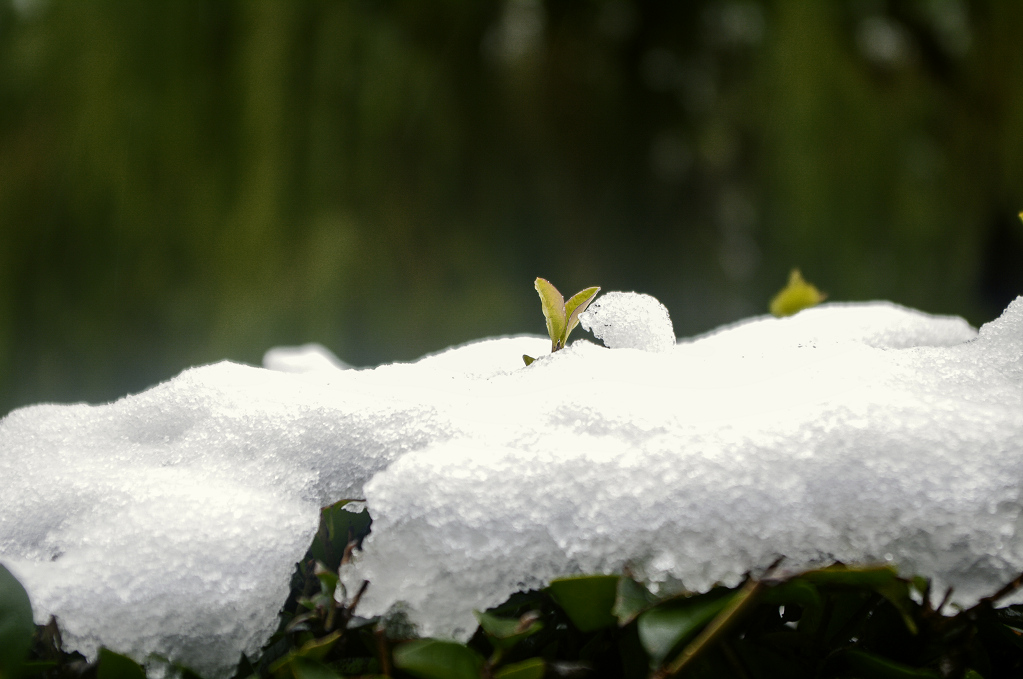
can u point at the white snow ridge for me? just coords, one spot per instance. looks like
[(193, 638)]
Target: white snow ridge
[(169, 522)]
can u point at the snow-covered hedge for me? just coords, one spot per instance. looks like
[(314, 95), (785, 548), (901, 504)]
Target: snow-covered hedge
[(171, 520)]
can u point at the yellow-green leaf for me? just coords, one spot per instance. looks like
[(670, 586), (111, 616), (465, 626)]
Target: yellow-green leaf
[(553, 305), (796, 296), (575, 306)]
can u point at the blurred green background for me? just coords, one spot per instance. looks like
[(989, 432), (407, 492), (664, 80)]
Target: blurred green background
[(182, 182)]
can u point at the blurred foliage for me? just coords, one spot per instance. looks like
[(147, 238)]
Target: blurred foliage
[(182, 182)]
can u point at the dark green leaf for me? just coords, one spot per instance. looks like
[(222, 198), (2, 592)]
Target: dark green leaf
[(436, 659), (674, 621), (870, 577), (528, 360), (587, 600), (735, 606), (882, 579), (534, 668), (307, 668), (870, 665), (504, 633), (631, 599), (116, 666), (553, 305), (16, 626), (38, 666)]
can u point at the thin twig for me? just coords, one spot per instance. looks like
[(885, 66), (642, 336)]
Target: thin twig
[(735, 608), (349, 611), (1005, 591), (944, 600), (385, 660)]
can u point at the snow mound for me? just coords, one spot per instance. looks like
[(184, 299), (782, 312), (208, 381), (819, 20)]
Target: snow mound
[(170, 522), (629, 320), (863, 432)]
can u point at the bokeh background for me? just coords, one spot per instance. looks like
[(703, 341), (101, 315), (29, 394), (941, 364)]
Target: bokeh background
[(185, 181)]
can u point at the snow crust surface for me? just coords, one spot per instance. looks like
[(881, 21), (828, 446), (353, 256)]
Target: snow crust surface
[(170, 521)]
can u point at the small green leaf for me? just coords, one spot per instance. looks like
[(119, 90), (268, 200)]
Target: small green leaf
[(327, 577), (504, 633), (795, 296), (527, 359), (553, 305), (16, 626), (534, 668), (314, 649), (973, 674), (307, 668), (672, 622), (882, 579), (870, 665), (437, 659), (575, 306), (587, 600), (317, 649), (116, 666), (631, 599)]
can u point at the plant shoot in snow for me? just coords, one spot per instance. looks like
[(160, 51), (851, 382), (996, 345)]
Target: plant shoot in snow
[(562, 316)]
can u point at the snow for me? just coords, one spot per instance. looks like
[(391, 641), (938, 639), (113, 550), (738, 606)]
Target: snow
[(629, 320), (169, 521), (310, 357)]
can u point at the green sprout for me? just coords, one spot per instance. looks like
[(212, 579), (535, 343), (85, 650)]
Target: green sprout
[(562, 316), (796, 296)]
